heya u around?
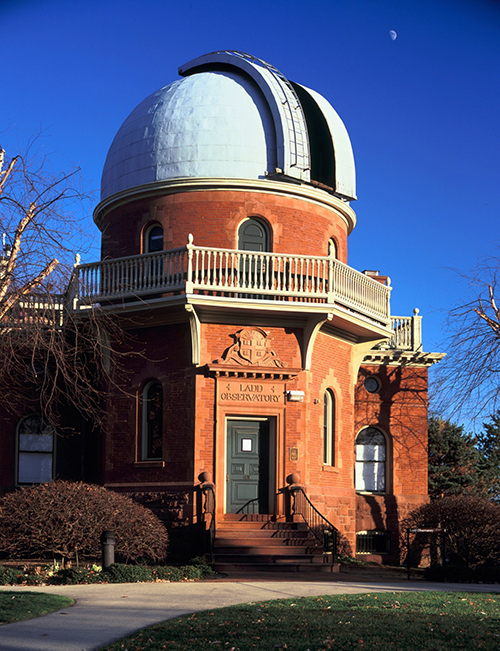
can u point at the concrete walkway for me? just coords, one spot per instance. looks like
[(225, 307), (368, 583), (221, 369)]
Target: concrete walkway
[(106, 612)]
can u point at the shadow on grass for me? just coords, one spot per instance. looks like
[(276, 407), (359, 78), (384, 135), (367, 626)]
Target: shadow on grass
[(403, 621)]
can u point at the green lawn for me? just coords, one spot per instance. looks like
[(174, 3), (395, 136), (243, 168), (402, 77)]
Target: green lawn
[(16, 606), (423, 621)]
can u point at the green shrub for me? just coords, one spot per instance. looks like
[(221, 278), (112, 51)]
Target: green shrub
[(116, 573), (66, 519), (75, 575), (30, 578), (201, 563), (120, 573), (168, 573), (192, 572), (10, 576)]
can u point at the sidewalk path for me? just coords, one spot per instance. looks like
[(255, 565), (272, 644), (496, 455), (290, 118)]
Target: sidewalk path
[(106, 612)]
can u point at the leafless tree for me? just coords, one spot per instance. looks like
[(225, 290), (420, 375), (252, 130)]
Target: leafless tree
[(50, 354), (468, 381)]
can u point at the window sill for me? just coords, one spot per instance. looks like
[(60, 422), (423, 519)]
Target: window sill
[(327, 468), (372, 493), (152, 463)]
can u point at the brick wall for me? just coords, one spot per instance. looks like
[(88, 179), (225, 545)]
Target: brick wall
[(399, 409), (166, 358), (213, 217)]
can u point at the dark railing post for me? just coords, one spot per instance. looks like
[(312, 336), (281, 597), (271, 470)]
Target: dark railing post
[(292, 494), (207, 488)]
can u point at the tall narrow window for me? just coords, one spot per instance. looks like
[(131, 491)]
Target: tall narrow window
[(332, 248), (152, 421), (371, 460), (35, 457), (329, 428), (154, 239)]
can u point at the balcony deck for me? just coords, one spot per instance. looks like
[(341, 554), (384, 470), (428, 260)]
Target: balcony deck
[(42, 312), (233, 274)]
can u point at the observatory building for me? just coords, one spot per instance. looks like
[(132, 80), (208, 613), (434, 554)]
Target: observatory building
[(275, 385)]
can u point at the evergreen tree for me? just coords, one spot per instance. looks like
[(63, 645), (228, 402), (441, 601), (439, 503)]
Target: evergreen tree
[(489, 447), (455, 462)]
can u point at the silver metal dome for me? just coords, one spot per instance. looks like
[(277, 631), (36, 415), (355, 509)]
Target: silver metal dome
[(231, 116)]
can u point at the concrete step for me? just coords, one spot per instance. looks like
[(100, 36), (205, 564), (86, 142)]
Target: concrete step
[(262, 543), (264, 550), (225, 525), (255, 559), (228, 568), (294, 543), (260, 534), (250, 517)]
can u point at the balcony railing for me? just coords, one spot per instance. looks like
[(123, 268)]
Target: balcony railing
[(231, 273), (36, 310), (407, 333)]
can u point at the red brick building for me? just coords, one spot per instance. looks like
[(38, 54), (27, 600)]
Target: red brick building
[(268, 361)]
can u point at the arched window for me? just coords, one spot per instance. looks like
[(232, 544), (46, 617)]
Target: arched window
[(332, 248), (152, 421), (329, 428), (153, 239), (253, 236), (35, 451), (371, 457)]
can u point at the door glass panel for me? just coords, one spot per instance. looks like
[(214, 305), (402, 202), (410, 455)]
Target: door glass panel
[(246, 445)]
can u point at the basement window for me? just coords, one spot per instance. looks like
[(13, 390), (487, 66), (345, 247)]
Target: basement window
[(373, 542)]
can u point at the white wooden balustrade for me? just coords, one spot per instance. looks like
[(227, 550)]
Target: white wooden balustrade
[(231, 273), (407, 333), (36, 310)]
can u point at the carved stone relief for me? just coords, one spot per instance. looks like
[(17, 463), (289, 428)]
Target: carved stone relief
[(252, 347)]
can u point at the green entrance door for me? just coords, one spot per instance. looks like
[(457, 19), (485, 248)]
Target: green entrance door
[(247, 465)]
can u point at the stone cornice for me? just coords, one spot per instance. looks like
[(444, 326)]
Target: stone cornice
[(252, 372), (302, 191), (402, 358)]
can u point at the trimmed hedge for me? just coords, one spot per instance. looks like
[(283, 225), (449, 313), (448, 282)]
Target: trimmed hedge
[(66, 519)]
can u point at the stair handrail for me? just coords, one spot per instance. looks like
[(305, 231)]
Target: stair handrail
[(256, 500), (243, 506), (320, 527)]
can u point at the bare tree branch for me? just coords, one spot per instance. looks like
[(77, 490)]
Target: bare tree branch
[(467, 382), (50, 355)]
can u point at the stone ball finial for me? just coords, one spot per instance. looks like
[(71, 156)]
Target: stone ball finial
[(294, 478)]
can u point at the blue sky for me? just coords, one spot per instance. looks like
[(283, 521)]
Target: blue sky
[(422, 111)]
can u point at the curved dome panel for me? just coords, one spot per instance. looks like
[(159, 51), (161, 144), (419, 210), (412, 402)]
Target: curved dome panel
[(231, 116), (293, 152), (212, 124)]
